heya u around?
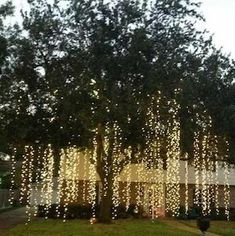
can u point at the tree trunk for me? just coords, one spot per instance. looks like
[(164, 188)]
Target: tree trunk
[(56, 153), (105, 214)]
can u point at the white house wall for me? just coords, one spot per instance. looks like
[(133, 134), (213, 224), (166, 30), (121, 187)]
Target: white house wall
[(84, 175)]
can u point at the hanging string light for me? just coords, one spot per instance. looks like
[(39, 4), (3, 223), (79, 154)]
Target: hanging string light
[(67, 182), (217, 187), (196, 164), (47, 179), (138, 187), (186, 186), (13, 173), (77, 159), (128, 187), (37, 157), (85, 171), (159, 190), (24, 177), (160, 185), (173, 162), (105, 158), (30, 156), (72, 171), (126, 190), (70, 160), (156, 191), (150, 170), (226, 183), (210, 168), (92, 178), (204, 192), (61, 179), (115, 197), (116, 168), (215, 196), (152, 161), (152, 202)]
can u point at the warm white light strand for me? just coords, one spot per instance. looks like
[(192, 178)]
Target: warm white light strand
[(61, 180), (173, 162), (197, 169), (92, 178), (30, 156), (186, 187), (13, 173), (226, 184), (47, 179), (37, 157)]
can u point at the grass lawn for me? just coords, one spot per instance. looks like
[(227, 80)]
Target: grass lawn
[(83, 228), (224, 228)]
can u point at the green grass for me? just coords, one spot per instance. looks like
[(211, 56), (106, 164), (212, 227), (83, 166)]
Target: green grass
[(224, 228), (83, 228)]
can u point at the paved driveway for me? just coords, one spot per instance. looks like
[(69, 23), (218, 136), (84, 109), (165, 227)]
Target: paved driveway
[(182, 226), (11, 218)]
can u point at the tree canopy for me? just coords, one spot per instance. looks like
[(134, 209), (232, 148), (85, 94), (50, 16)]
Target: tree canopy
[(75, 64), (75, 68)]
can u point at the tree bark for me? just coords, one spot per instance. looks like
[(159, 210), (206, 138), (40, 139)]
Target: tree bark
[(105, 214), (56, 153)]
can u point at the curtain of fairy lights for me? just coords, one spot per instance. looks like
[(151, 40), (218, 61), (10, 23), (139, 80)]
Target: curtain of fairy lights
[(226, 184), (13, 174), (153, 161), (216, 179), (85, 174), (159, 190), (139, 172), (47, 179), (215, 196), (24, 177), (204, 191), (106, 144), (206, 166), (173, 161), (186, 187), (61, 182), (30, 156), (68, 178), (153, 174), (126, 191), (196, 163), (92, 178), (116, 169), (26, 180), (37, 161)]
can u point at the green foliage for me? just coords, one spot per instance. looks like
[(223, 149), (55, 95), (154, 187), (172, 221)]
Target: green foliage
[(5, 181), (77, 65)]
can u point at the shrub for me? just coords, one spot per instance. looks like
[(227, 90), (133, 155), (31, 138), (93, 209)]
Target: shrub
[(79, 211), (195, 212)]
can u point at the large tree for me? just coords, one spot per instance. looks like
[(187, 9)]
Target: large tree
[(6, 10), (80, 69)]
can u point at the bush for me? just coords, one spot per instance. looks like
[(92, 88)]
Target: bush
[(6, 182), (135, 211), (195, 212), (74, 211), (203, 224), (78, 211)]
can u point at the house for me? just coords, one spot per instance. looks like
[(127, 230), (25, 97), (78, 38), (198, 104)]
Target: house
[(140, 186)]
